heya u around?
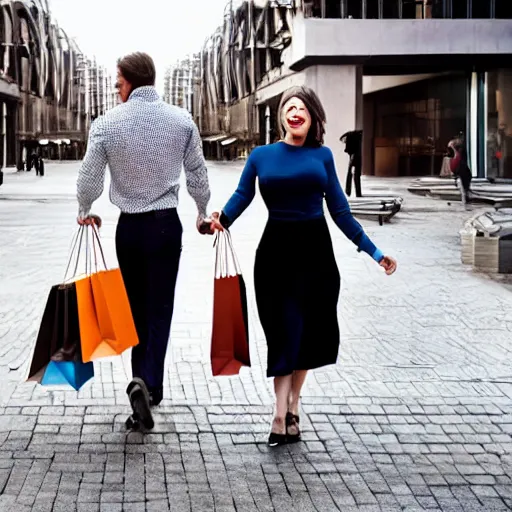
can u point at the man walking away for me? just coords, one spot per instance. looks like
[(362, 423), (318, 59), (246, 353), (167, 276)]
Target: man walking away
[(145, 142)]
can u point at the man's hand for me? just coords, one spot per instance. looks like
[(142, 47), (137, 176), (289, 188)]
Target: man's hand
[(90, 220), (204, 226)]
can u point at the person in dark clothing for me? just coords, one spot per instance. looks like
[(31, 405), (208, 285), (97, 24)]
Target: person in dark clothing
[(353, 146), (32, 161), (460, 168), (39, 165)]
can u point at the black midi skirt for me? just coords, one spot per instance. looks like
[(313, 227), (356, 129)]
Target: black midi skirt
[(297, 286)]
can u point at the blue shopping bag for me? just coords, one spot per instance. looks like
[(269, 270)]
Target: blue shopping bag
[(67, 373)]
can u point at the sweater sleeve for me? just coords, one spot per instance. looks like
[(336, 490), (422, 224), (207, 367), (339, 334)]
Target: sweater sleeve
[(339, 209), (91, 176), (195, 170), (244, 194)]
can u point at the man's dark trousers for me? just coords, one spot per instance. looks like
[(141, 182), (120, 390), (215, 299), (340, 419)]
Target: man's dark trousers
[(148, 250)]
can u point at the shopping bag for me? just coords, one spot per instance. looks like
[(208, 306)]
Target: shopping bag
[(115, 331), (59, 373), (57, 351), (230, 330), (58, 348)]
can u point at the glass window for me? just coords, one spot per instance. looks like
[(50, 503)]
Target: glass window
[(412, 9), (481, 9), (416, 121), (390, 9), (437, 8), (354, 9), (503, 9), (372, 9), (499, 123), (460, 9), (332, 9)]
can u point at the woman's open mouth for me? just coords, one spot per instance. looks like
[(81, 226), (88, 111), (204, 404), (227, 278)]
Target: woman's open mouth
[(295, 122)]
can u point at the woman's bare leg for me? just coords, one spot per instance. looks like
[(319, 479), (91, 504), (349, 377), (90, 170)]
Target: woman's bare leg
[(282, 388), (298, 379)]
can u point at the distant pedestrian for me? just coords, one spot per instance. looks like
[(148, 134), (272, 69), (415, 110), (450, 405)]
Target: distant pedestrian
[(296, 277), (460, 168), (31, 160), (39, 165), (353, 147), (145, 143)]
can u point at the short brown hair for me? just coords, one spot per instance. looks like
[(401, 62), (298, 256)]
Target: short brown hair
[(316, 132), (138, 69)]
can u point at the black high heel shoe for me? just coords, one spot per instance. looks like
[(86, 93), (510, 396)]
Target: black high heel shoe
[(276, 439), (292, 420)]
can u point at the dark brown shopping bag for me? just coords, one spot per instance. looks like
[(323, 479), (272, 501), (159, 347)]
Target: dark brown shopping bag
[(230, 331), (57, 358)]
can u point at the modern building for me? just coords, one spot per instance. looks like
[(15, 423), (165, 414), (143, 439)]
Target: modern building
[(412, 74), (49, 90), (181, 84)]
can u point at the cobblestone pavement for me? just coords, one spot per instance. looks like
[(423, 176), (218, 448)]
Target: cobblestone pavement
[(417, 414)]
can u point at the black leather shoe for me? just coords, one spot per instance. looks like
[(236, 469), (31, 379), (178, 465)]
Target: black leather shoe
[(140, 402)]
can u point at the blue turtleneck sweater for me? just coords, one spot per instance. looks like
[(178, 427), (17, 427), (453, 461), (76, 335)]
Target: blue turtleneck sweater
[(293, 181)]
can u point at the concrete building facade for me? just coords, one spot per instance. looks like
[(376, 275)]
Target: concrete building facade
[(49, 90), (412, 74), (181, 84)]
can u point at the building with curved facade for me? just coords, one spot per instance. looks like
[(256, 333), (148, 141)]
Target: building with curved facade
[(49, 90), (412, 74)]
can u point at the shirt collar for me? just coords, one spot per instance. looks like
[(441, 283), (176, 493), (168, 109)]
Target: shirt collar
[(144, 93)]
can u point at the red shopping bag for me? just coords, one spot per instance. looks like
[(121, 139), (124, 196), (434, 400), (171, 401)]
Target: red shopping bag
[(230, 331)]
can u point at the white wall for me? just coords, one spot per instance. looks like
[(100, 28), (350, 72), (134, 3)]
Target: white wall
[(341, 92)]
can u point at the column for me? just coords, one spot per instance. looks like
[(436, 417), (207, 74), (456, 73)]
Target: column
[(476, 142), (340, 89), (4, 134), (267, 125), (368, 136)]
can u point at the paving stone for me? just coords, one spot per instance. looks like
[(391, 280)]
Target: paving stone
[(409, 418)]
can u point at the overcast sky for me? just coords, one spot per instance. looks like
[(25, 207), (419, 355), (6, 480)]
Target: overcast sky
[(166, 29)]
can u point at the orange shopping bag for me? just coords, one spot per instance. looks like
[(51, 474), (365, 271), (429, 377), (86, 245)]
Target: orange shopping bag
[(230, 331), (116, 328), (87, 319)]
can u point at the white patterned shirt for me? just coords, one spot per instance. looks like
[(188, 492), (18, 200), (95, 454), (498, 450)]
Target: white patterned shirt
[(145, 143)]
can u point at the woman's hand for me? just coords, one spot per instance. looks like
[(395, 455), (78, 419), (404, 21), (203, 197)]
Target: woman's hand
[(388, 264), (216, 225), (89, 220)]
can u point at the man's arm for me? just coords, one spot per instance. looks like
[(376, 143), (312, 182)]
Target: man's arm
[(91, 177), (195, 171)]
